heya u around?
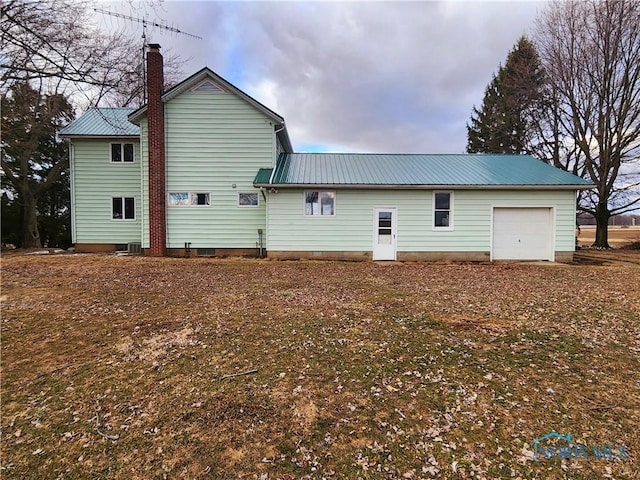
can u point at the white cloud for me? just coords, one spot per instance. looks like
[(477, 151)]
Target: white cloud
[(367, 76), (266, 91)]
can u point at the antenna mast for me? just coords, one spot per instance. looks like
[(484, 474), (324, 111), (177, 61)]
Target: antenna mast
[(145, 23)]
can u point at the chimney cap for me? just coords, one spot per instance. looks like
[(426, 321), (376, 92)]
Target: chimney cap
[(154, 46)]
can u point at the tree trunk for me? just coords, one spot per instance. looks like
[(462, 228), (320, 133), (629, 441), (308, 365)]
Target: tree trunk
[(31, 237), (602, 226)]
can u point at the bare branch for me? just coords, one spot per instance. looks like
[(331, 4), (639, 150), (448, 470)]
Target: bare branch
[(591, 53)]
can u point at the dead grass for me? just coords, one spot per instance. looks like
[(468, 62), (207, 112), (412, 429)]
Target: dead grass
[(618, 236), (119, 368)]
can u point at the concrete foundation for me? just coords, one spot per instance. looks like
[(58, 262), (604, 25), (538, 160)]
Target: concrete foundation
[(444, 256), (215, 252), (98, 247), (562, 257), (401, 256), (298, 255)]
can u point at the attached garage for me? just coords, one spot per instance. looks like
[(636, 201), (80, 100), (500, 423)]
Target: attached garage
[(522, 233), (474, 207)]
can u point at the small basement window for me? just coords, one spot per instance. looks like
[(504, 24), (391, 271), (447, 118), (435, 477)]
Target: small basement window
[(251, 199), (123, 208), (189, 199), (122, 152), (442, 210), (319, 203)]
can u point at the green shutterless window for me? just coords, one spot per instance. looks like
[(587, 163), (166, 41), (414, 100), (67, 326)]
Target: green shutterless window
[(189, 199), (248, 199), (123, 208), (442, 209), (319, 203), (122, 152)]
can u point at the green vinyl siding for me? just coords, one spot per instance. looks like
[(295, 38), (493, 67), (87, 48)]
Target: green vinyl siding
[(214, 140), (95, 181), (351, 229)]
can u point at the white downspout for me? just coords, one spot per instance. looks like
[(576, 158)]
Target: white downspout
[(73, 191), (142, 203)]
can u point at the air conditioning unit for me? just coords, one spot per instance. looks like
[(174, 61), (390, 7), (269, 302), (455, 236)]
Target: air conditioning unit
[(134, 248)]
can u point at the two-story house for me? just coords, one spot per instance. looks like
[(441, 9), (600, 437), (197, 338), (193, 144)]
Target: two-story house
[(205, 169)]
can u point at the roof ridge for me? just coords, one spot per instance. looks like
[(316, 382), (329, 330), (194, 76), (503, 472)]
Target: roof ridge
[(110, 108)]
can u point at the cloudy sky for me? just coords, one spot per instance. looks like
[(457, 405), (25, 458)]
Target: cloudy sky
[(348, 76)]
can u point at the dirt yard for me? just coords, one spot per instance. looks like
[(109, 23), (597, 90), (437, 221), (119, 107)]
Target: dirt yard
[(136, 368)]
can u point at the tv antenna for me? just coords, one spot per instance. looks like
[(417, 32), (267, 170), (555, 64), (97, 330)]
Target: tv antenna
[(145, 23)]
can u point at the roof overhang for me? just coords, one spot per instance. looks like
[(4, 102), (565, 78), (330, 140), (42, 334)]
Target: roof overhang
[(343, 186), (100, 137)]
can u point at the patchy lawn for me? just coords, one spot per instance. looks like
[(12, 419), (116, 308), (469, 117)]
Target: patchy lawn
[(132, 367), (618, 236)]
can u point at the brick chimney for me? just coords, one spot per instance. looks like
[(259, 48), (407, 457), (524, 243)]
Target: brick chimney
[(155, 118)]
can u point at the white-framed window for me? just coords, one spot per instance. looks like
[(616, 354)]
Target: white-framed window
[(189, 199), (123, 208), (442, 210), (122, 153), (248, 199), (317, 202)]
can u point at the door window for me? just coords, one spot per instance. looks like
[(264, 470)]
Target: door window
[(384, 228)]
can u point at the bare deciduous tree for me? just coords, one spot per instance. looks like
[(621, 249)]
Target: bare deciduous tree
[(591, 54), (51, 51), (54, 41)]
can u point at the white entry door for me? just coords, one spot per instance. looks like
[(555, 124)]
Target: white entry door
[(522, 234), (384, 236)]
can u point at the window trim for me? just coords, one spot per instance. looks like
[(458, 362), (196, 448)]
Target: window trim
[(190, 195), (319, 215), (122, 198), (434, 227), (122, 144), (248, 206)]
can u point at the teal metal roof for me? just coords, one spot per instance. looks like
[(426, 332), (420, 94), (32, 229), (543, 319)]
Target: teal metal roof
[(263, 176), (102, 122), (417, 171)]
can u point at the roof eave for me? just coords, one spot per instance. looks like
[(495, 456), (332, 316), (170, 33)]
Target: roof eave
[(135, 116), (102, 137), (422, 187)]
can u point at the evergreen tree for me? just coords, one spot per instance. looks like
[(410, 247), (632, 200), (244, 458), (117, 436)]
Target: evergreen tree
[(512, 100), (34, 159)]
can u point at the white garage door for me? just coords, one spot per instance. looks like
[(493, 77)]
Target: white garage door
[(522, 234)]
